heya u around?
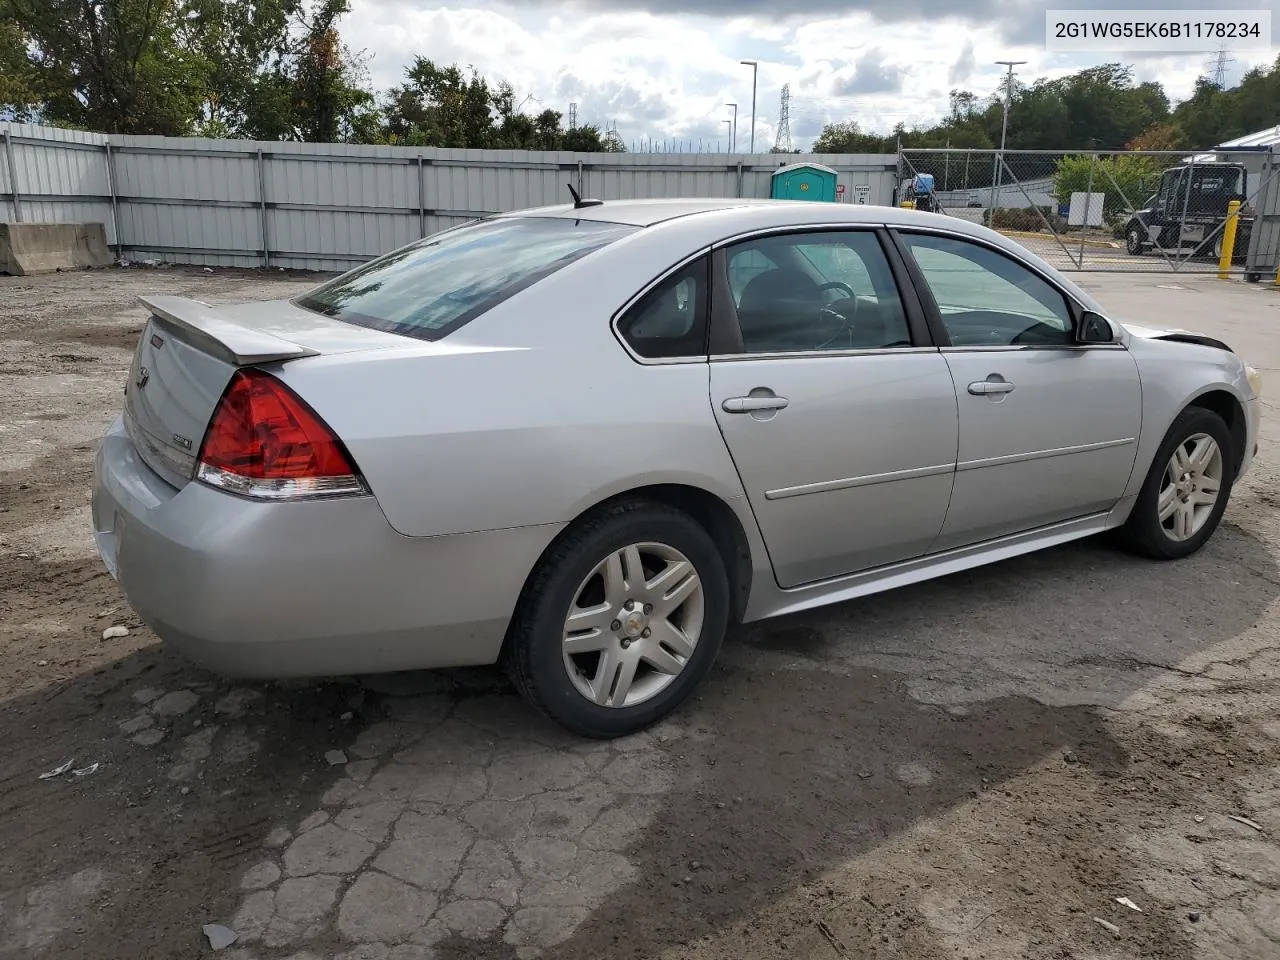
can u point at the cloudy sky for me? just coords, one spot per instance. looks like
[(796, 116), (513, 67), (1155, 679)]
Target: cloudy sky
[(666, 69)]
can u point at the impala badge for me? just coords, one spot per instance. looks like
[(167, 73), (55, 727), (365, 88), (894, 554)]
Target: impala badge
[(143, 376), (182, 441)]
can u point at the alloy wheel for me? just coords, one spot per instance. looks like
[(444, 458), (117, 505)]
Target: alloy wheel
[(633, 624), (1190, 487)]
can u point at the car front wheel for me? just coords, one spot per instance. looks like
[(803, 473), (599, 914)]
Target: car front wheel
[(1186, 490), (621, 620)]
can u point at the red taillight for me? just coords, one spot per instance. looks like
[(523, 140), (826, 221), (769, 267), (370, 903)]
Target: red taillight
[(265, 441)]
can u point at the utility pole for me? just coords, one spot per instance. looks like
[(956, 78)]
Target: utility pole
[(1004, 130), (729, 124), (755, 75), (733, 140)]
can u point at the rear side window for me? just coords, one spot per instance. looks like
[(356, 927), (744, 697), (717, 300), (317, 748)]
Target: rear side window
[(671, 319), (432, 287)]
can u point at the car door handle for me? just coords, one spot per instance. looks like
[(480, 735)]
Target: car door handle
[(751, 404), (981, 388)]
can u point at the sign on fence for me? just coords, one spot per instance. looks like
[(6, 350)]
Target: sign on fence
[(1086, 209)]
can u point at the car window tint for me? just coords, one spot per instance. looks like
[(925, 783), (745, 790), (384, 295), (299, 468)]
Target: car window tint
[(818, 292), (671, 319), (433, 286), (988, 299)]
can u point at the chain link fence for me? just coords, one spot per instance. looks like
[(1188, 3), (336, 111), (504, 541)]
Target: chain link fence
[(1130, 211)]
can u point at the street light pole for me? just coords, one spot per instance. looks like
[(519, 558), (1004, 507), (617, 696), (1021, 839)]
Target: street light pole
[(1004, 129), (733, 141), (755, 74), (729, 124)]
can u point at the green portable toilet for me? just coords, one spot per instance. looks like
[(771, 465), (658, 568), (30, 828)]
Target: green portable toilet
[(804, 181)]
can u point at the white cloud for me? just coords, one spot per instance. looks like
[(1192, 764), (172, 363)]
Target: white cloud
[(668, 76)]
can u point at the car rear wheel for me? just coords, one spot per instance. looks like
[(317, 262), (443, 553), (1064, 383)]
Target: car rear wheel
[(1133, 241), (621, 620), (1186, 490)]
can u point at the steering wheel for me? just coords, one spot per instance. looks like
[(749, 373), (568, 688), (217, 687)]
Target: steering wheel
[(842, 325), (838, 285)]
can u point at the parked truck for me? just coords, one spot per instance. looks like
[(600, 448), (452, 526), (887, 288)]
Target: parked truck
[(1190, 210)]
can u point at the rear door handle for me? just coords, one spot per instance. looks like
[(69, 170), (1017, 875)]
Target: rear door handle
[(980, 388), (751, 404)]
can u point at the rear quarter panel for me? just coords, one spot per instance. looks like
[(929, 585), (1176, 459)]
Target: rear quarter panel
[(536, 414), (1173, 375)]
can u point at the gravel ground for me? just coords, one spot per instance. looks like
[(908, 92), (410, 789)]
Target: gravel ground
[(976, 767)]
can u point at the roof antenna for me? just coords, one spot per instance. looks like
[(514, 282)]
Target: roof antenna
[(578, 202)]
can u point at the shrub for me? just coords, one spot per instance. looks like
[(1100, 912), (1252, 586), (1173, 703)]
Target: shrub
[(1125, 180)]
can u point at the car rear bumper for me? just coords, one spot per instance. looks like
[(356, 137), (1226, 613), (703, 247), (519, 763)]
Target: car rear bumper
[(311, 588)]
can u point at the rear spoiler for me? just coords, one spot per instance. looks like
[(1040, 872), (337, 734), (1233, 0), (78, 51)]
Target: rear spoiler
[(221, 337)]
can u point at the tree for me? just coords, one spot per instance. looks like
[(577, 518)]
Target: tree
[(1159, 136), (328, 97), (964, 105), (314, 91), (1212, 115), (19, 82), (1100, 106), (445, 107), (442, 107), (584, 139), (245, 43), (110, 65), (848, 137)]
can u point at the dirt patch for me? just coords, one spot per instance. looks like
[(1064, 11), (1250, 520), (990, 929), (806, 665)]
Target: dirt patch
[(98, 335)]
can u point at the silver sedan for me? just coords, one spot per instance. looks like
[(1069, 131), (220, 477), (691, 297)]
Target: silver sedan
[(582, 440)]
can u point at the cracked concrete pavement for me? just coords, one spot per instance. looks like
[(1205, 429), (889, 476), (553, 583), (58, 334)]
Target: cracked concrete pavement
[(977, 766)]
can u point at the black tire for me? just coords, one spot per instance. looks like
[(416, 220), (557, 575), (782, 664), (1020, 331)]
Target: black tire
[(1133, 239), (533, 653), (1144, 533)]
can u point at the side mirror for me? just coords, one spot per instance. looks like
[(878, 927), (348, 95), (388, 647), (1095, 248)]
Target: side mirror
[(1095, 328)]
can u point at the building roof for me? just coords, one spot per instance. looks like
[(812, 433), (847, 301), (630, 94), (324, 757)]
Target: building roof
[(1269, 137)]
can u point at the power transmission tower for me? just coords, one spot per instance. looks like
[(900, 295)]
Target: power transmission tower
[(573, 116), (782, 141), (1218, 68)]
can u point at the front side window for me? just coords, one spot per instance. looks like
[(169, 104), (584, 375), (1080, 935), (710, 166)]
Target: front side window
[(432, 287), (671, 319), (987, 299), (810, 292), (1171, 186)]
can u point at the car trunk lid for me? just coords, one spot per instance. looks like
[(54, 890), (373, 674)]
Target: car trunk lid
[(189, 351)]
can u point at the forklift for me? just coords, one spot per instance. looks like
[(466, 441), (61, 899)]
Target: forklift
[(918, 194)]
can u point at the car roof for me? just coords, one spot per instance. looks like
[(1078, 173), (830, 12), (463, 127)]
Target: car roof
[(645, 213), (748, 213), (638, 213)]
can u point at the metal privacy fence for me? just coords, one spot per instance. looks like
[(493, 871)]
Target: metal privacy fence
[(332, 206), (1133, 211)]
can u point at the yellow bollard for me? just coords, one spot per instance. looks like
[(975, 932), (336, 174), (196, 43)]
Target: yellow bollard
[(1229, 240)]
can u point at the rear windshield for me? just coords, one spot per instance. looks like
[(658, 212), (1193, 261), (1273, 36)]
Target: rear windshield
[(432, 287)]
